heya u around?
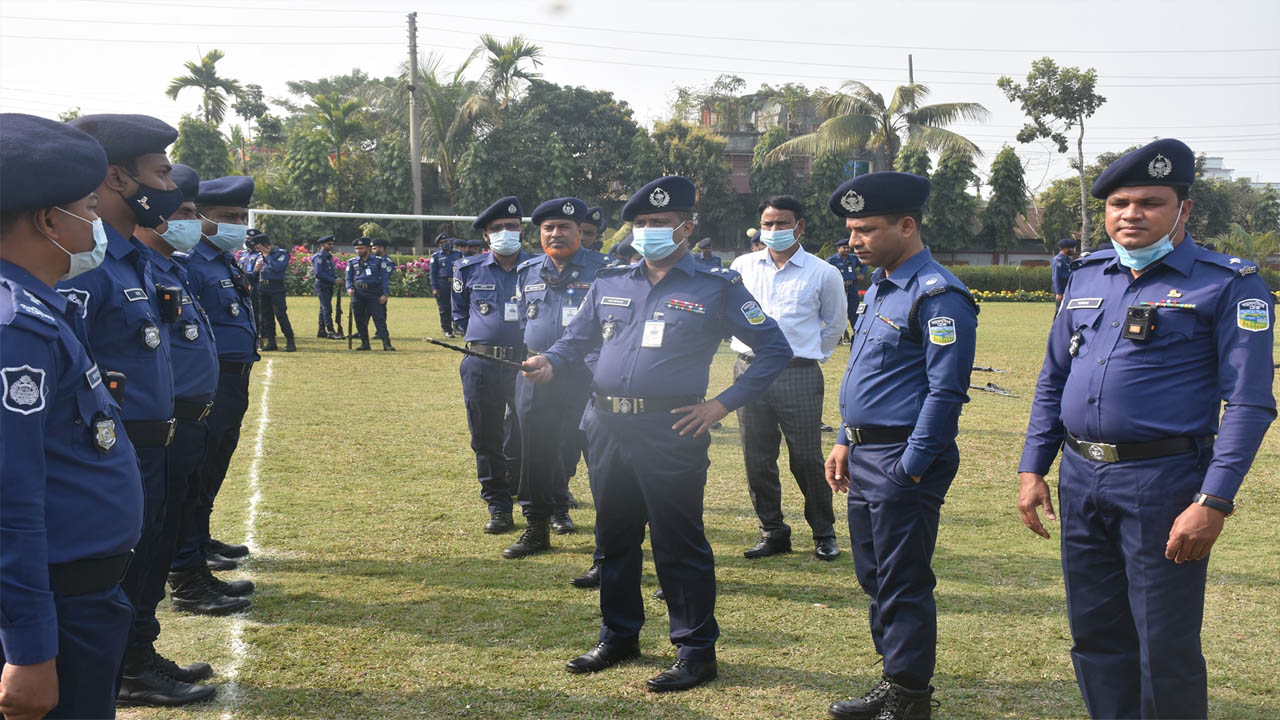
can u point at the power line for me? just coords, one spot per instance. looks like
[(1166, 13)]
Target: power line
[(237, 26)]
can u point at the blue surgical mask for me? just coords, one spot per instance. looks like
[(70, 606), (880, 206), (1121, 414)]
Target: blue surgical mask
[(229, 236), (182, 234), (504, 242), (83, 262), (1142, 257), (654, 243), (778, 239)]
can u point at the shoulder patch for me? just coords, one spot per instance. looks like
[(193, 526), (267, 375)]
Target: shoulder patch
[(1253, 315), (23, 389), (752, 311), (458, 285), (79, 297), (942, 331)]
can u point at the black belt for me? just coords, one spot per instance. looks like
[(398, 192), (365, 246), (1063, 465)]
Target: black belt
[(192, 411), (234, 368), (369, 286), (273, 283), (498, 351), (635, 406), (795, 362), (871, 435), (91, 575), (149, 434), (1109, 453)]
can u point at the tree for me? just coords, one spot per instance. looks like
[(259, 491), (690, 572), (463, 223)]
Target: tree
[(1255, 247), (722, 98), (1057, 101), (68, 115), (338, 121), (914, 160), (1008, 200), (950, 217), (201, 146), (643, 163), (770, 177), (250, 105), (698, 154), (451, 111), (204, 75), (504, 68), (858, 118), (830, 170)]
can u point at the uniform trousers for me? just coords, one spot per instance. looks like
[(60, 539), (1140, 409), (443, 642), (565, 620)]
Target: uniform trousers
[(489, 390), (149, 551), (324, 293), (853, 301), (546, 415), (364, 306), (444, 303), (274, 308)]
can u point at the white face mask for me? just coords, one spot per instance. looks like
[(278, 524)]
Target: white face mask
[(504, 242), (83, 262)]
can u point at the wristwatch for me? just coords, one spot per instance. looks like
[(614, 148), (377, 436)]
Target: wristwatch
[(1226, 507)]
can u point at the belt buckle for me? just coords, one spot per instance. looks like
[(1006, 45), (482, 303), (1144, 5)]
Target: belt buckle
[(853, 435), (624, 406), (169, 438), (1101, 452)]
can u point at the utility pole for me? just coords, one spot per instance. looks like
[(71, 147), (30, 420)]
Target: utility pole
[(415, 153), (911, 72)]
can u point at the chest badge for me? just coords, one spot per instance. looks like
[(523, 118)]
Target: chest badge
[(532, 311), (104, 434), (484, 308), (191, 331), (1174, 294), (151, 336), (609, 329), (234, 309)]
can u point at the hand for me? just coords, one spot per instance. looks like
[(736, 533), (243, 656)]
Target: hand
[(383, 299), (1058, 298), (351, 292), (435, 293), (699, 418), (28, 692), (538, 369), (1034, 494), (838, 469), (1193, 534)]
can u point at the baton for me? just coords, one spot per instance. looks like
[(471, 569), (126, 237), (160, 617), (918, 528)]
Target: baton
[(505, 363), (984, 368)]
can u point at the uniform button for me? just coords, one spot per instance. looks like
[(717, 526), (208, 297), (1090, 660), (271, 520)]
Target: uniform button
[(1101, 361), (1093, 400), (1115, 324)]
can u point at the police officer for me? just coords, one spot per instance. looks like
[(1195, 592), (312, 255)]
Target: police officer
[(379, 251), (250, 261), (275, 264), (1062, 270), (551, 288), (704, 256), (442, 262), (325, 273), (851, 270), (487, 312), (368, 288), (908, 375), (593, 227), (66, 456), (624, 253), (1155, 334), (656, 327)]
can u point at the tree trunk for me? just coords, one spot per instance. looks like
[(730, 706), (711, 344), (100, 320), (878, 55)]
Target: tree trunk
[(1085, 235)]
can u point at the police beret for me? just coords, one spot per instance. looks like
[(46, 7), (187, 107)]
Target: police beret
[(596, 215), (187, 180), (380, 242), (569, 208), (232, 191), (507, 207), (840, 242), (254, 236), (1066, 243), (704, 243), (126, 137), (44, 163), (879, 193), (362, 242), (325, 239), (623, 248), (1164, 162), (473, 242), (666, 194)]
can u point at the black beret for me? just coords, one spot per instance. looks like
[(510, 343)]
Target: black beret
[(841, 242), (1066, 243), (596, 215), (126, 137), (507, 207), (231, 191), (254, 236), (44, 163), (473, 242), (380, 242), (362, 242), (666, 194), (623, 249), (187, 180), (569, 208), (325, 239), (1164, 162), (880, 193)]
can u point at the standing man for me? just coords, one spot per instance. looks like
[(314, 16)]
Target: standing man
[(593, 227), (275, 265), (805, 296), (655, 328), (367, 286), (325, 273), (704, 256), (442, 262), (379, 251), (250, 262), (66, 457), (896, 455), (1062, 271), (851, 270), (487, 312), (1155, 334)]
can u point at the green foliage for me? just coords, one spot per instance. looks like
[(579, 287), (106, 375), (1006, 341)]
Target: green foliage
[(1060, 206), (952, 212), (1001, 278), (201, 146), (771, 176), (1255, 247), (821, 226), (373, 230), (250, 104), (203, 75), (914, 160), (643, 163), (69, 115), (505, 66), (1008, 200)]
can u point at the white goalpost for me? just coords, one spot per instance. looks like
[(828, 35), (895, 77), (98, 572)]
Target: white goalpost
[(254, 213)]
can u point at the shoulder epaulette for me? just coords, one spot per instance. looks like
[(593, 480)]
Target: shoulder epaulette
[(614, 270), (21, 309), (1093, 257), (473, 260), (1235, 265), (531, 261), (724, 273)]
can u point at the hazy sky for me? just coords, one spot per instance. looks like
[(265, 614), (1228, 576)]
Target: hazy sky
[(1206, 72)]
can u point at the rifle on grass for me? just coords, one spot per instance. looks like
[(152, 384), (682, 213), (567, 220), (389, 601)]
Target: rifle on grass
[(994, 389), (505, 363), (984, 368), (338, 297), (351, 307)]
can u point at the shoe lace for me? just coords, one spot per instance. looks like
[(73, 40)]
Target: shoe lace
[(214, 583), (164, 665), (877, 693), (681, 664)]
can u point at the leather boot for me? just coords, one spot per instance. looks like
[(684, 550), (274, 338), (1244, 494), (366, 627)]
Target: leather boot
[(234, 589), (289, 346), (563, 524), (536, 538), (322, 333), (193, 673), (218, 562), (386, 345), (143, 682), (191, 591), (862, 708), (499, 523), (906, 704), (228, 551)]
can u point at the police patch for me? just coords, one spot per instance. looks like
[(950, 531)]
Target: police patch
[(93, 376), (104, 434), (191, 332), (77, 296), (942, 331), (23, 389), (753, 313), (1081, 303), (151, 336), (1253, 315), (457, 285), (234, 309)]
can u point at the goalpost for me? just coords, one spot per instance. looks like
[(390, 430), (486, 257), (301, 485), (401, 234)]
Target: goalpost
[(253, 214)]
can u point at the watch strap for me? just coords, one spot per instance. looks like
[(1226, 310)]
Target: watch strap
[(1225, 507)]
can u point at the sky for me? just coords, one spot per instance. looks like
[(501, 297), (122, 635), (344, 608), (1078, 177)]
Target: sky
[(1205, 72)]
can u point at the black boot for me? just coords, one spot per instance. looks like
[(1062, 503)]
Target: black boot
[(536, 538), (499, 523), (192, 591), (588, 579), (862, 708), (193, 673), (364, 345), (218, 562), (289, 346), (386, 345), (322, 333), (143, 682), (228, 551), (233, 589), (563, 524), (270, 345), (906, 704)]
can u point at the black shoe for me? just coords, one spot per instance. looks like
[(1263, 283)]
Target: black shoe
[(685, 674), (233, 589), (589, 579), (153, 687), (659, 595), (768, 546), (193, 673), (270, 346), (193, 591), (386, 346), (905, 704), (862, 708), (448, 333), (827, 428), (536, 538), (563, 524), (499, 523), (602, 656), (573, 502), (826, 549), (289, 346), (323, 334), (218, 562), (228, 551), (364, 347)]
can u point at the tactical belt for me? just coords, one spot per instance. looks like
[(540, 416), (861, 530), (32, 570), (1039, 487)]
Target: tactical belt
[(794, 362), (871, 435), (1108, 453), (369, 286), (155, 434), (515, 354), (91, 575), (635, 406), (273, 283), (234, 368), (191, 411)]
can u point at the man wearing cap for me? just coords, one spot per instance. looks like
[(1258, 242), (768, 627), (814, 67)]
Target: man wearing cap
[(486, 311), (550, 289), (704, 256), (66, 618), (275, 265), (623, 253), (593, 227), (368, 287), (850, 270), (1062, 270), (378, 250), (805, 297), (442, 261), (1155, 334), (895, 455), (655, 328), (325, 273), (250, 261)]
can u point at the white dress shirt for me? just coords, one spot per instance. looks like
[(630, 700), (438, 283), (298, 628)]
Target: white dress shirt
[(805, 297)]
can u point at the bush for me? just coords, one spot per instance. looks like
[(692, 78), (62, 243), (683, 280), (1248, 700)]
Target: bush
[(999, 278)]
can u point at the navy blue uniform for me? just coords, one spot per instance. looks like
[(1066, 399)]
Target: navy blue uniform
[(1061, 273), (851, 269), (66, 459), (248, 264), (909, 364), (486, 311), (1136, 616), (442, 262), (656, 343), (708, 262), (326, 274), (274, 307), (368, 277)]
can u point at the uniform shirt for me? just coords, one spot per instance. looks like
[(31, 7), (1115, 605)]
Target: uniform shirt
[(388, 262), (485, 306), (191, 344), (323, 269), (68, 473), (850, 268), (248, 263), (122, 320), (214, 277), (911, 372), (442, 269), (549, 298), (371, 271), (712, 261), (805, 297), (659, 340), (1061, 273), (1117, 390), (276, 264)]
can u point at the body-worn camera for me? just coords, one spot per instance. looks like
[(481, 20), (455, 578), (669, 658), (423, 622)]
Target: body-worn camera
[(170, 302), (1139, 322), (115, 385)]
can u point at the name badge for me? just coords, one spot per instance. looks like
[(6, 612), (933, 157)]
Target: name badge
[(566, 314), (535, 287), (616, 301), (862, 307), (653, 330), (510, 312), (368, 271), (225, 282), (1078, 303), (134, 294), (480, 286)]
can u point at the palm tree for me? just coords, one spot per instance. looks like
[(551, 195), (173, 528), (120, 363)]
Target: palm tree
[(204, 75), (504, 70), (338, 121), (859, 119), (1255, 247)]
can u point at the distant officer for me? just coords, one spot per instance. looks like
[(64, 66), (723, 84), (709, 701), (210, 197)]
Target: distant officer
[(624, 253), (654, 329), (250, 260), (851, 270), (325, 273), (486, 310), (442, 262), (896, 455), (379, 251), (1062, 270), (72, 494), (593, 227), (703, 255), (470, 248), (275, 266), (368, 288), (551, 288), (1155, 334)]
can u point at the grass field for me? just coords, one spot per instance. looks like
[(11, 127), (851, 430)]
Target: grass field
[(379, 597)]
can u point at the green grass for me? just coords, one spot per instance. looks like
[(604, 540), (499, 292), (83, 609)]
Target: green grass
[(379, 597)]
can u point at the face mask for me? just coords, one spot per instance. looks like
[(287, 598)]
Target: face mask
[(1142, 257), (504, 242), (229, 236), (778, 239), (654, 243), (182, 234), (151, 206), (83, 262)]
